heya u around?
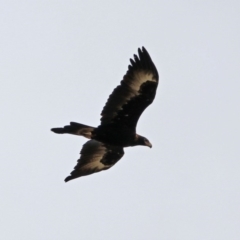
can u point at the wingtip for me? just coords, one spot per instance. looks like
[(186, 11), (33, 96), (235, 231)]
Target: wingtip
[(142, 49), (143, 53), (67, 179)]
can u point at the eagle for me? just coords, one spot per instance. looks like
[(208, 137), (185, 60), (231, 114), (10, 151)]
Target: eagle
[(119, 118)]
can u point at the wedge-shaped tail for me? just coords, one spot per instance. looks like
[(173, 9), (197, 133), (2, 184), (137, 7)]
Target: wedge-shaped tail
[(76, 129)]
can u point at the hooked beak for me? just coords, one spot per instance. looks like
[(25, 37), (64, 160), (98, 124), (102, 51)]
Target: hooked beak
[(148, 144)]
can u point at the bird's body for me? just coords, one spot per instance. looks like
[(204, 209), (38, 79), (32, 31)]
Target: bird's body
[(114, 135), (119, 119)]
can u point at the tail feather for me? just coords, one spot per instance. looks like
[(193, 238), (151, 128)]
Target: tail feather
[(76, 129)]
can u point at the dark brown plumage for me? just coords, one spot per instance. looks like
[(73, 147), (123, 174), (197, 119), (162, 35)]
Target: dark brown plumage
[(119, 119)]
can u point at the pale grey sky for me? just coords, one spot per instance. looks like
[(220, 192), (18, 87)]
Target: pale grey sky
[(60, 60)]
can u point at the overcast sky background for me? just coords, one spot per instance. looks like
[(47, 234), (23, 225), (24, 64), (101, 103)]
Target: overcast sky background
[(60, 60)]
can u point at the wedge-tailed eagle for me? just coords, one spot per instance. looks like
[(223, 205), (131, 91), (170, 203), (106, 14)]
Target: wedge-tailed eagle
[(119, 119)]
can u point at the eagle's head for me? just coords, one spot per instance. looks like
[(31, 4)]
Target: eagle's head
[(142, 141)]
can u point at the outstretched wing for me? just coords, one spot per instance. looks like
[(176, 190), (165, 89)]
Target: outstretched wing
[(95, 157), (135, 93)]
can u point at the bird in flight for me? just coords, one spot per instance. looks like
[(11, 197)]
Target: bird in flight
[(119, 119)]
